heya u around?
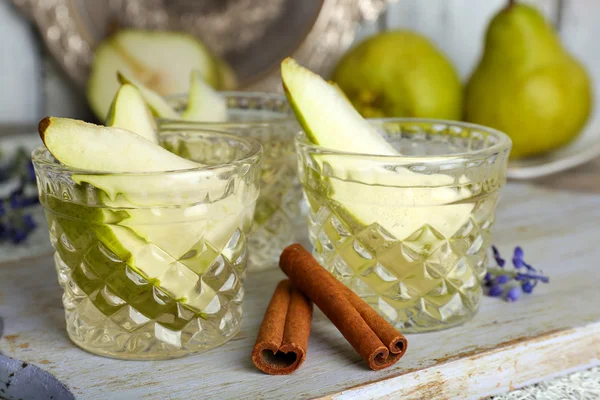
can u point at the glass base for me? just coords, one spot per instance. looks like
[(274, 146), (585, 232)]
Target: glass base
[(118, 337), (149, 325), (418, 316), (164, 354), (426, 282), (412, 326)]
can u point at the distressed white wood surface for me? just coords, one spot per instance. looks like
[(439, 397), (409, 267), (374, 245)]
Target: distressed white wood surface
[(554, 331)]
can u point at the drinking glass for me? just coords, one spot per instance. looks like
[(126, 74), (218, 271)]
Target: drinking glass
[(408, 233), (153, 264), (267, 118)]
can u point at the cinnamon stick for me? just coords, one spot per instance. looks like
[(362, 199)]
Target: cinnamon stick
[(377, 342), (282, 340)]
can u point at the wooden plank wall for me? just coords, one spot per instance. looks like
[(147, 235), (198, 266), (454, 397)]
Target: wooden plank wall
[(31, 85), (20, 68)]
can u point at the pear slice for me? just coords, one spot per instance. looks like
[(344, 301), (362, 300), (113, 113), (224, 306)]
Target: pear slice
[(129, 111), (155, 101), (155, 260), (98, 148), (227, 76), (160, 60), (326, 115), (92, 147), (204, 103), (339, 89), (401, 201)]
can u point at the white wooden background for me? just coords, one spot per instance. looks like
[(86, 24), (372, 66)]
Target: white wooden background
[(32, 86)]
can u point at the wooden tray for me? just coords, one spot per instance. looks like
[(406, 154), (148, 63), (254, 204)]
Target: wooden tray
[(554, 331)]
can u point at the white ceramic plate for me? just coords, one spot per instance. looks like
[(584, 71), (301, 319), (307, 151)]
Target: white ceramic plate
[(585, 148)]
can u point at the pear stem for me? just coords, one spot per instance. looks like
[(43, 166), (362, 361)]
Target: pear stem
[(511, 3)]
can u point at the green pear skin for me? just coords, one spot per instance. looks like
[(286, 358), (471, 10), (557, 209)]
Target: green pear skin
[(400, 74), (527, 85)]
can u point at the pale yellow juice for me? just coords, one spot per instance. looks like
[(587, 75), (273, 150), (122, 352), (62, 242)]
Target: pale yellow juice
[(409, 234)]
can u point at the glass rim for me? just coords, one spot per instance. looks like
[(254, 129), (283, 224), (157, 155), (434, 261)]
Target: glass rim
[(284, 119), (253, 154), (503, 141)]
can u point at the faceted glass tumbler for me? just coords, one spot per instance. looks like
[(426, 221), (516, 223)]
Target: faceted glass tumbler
[(153, 264), (410, 233), (267, 118)]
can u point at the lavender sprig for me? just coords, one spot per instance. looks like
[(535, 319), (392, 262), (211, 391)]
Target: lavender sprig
[(15, 223), (499, 260), (512, 283)]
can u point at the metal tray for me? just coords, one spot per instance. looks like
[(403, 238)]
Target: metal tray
[(254, 39)]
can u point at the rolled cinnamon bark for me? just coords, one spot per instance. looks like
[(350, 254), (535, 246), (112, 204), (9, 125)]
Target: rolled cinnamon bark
[(282, 340), (377, 342), (389, 335)]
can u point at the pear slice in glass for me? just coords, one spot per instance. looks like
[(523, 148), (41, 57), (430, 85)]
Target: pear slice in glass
[(204, 103), (129, 111)]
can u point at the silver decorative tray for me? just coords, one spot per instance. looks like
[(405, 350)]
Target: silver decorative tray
[(252, 38)]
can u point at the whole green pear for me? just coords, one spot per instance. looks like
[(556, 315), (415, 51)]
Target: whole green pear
[(400, 74), (527, 85)]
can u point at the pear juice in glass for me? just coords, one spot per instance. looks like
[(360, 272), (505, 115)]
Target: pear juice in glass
[(408, 233), (267, 118), (155, 269)]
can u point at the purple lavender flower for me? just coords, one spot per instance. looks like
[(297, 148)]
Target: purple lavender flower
[(528, 286), (518, 257), (19, 200), (513, 294), (496, 291), (15, 198), (533, 276), (487, 279), (17, 236), (512, 282), (499, 260), (15, 223), (30, 172), (29, 222), (529, 267)]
